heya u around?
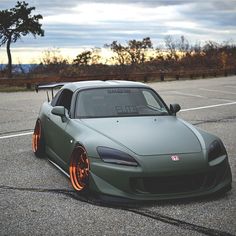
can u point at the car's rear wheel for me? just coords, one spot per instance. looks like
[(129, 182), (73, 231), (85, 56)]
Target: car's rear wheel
[(79, 169), (38, 145)]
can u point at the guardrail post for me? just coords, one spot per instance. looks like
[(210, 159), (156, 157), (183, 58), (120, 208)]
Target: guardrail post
[(145, 79), (28, 85), (162, 77), (225, 73)]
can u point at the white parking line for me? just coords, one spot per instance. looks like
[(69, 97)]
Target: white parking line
[(218, 91), (232, 86), (188, 94), (210, 106), (195, 95), (15, 135)]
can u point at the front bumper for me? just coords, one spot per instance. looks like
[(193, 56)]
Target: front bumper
[(166, 181)]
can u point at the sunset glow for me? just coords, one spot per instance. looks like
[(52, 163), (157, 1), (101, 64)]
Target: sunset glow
[(74, 26)]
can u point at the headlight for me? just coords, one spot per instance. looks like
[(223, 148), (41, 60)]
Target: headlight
[(216, 150), (114, 156)]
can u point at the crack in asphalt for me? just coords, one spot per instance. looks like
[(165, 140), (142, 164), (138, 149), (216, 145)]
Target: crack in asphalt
[(180, 223), (121, 206), (225, 119)]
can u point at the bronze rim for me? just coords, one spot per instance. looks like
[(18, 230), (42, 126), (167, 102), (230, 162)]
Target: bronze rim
[(79, 169), (36, 137)]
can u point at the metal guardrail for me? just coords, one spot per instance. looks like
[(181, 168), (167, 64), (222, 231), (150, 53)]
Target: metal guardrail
[(145, 77)]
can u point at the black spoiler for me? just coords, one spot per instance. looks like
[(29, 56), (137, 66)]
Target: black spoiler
[(49, 87)]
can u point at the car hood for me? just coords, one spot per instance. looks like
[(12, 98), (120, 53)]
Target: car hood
[(148, 135)]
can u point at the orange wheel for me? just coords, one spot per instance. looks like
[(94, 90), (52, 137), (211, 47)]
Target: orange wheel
[(37, 140), (79, 169)]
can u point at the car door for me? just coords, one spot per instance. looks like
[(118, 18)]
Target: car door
[(58, 140)]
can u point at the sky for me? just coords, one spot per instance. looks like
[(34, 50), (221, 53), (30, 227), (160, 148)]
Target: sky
[(75, 25)]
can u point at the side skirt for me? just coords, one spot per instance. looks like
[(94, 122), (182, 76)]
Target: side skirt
[(59, 168)]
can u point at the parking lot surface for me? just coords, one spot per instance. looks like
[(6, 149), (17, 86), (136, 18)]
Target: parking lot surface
[(37, 199)]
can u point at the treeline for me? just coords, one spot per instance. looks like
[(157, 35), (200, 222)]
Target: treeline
[(137, 56), (140, 56)]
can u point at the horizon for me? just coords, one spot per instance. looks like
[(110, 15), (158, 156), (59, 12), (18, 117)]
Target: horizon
[(74, 26)]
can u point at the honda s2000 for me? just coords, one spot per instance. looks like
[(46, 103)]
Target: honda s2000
[(119, 138)]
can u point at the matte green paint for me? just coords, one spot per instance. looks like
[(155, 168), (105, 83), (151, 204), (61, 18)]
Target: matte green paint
[(148, 135), (150, 140)]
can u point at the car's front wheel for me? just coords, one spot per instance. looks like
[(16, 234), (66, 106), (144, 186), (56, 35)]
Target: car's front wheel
[(79, 169), (38, 144)]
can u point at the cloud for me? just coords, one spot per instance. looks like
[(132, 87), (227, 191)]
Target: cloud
[(100, 13), (82, 23)]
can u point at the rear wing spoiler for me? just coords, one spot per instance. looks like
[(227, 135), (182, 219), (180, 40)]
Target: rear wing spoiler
[(49, 87)]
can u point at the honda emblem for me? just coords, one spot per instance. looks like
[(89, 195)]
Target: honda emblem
[(175, 158)]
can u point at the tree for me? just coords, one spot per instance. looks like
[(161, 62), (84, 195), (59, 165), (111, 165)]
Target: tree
[(137, 50), (211, 52), (88, 57), (96, 56), (15, 23), (83, 58), (120, 52), (183, 46), (134, 53), (52, 61), (171, 46)]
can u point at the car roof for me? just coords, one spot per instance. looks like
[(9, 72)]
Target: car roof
[(99, 83)]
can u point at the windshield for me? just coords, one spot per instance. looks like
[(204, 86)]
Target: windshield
[(118, 102)]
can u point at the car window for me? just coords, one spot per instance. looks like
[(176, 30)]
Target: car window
[(64, 99), (55, 98), (118, 102), (151, 101)]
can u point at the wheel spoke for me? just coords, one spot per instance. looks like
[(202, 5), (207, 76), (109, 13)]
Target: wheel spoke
[(79, 169), (36, 137)]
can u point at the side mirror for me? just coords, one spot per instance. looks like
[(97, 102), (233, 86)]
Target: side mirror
[(59, 111), (174, 108)]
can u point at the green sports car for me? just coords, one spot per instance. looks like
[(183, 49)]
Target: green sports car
[(119, 138)]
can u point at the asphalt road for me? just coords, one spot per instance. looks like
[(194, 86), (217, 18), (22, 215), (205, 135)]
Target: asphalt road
[(36, 199)]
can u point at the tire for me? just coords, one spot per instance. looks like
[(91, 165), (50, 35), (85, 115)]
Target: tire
[(79, 169), (38, 144)]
